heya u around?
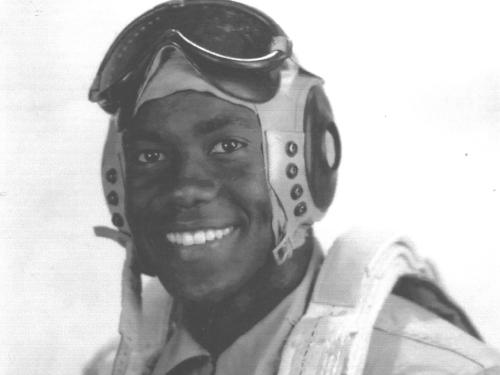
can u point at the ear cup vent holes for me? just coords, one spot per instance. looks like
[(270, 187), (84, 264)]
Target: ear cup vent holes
[(111, 176), (300, 209), (112, 198), (292, 148), (296, 192), (117, 220), (292, 170)]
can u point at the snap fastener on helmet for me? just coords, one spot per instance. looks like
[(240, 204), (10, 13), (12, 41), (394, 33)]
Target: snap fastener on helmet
[(112, 198), (291, 148), (117, 220), (292, 170), (111, 176), (300, 209), (296, 192)]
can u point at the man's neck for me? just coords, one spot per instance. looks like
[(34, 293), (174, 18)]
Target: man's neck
[(217, 326)]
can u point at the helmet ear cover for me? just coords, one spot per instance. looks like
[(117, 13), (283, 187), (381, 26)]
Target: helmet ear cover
[(302, 151), (322, 148), (114, 184)]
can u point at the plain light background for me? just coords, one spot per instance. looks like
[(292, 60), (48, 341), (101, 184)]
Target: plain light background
[(415, 88)]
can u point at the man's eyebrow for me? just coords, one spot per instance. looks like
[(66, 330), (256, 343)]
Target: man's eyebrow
[(140, 135), (220, 122)]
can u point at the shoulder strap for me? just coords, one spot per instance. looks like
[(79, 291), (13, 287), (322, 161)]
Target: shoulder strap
[(144, 319), (359, 273)]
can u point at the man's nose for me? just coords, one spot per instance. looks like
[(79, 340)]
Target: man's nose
[(194, 185)]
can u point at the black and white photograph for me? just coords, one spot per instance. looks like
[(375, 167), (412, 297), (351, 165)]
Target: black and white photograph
[(218, 187)]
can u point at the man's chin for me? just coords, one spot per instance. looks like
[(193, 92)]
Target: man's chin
[(199, 293)]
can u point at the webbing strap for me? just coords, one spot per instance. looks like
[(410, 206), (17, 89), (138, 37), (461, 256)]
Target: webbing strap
[(144, 316), (359, 273)]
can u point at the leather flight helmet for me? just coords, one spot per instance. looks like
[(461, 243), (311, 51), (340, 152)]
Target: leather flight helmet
[(246, 58)]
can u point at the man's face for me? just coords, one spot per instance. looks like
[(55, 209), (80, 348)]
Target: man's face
[(197, 197)]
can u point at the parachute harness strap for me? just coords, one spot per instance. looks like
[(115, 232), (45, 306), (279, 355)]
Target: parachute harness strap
[(131, 305), (358, 274), (139, 346)]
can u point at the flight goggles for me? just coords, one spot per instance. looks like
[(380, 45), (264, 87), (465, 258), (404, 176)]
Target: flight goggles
[(235, 47)]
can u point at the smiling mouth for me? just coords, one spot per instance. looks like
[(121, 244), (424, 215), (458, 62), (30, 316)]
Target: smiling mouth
[(198, 237)]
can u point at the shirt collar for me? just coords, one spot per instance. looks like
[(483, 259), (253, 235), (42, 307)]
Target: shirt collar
[(257, 350)]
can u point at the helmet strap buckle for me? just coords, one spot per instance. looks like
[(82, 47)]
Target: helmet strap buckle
[(282, 251)]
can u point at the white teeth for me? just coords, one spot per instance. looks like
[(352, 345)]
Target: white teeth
[(199, 237), (210, 235), (187, 239)]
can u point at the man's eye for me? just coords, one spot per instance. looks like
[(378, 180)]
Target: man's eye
[(150, 157), (227, 146)]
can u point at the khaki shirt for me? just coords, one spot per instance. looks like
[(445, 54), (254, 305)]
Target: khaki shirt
[(255, 352)]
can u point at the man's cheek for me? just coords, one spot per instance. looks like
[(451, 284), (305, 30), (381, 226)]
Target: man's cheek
[(243, 173), (150, 198), (251, 192)]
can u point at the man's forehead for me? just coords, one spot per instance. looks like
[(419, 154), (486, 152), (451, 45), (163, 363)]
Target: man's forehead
[(201, 113), (225, 120)]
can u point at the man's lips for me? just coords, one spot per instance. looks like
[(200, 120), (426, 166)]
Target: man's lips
[(198, 236)]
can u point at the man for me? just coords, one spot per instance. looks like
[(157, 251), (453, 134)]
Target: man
[(222, 152)]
